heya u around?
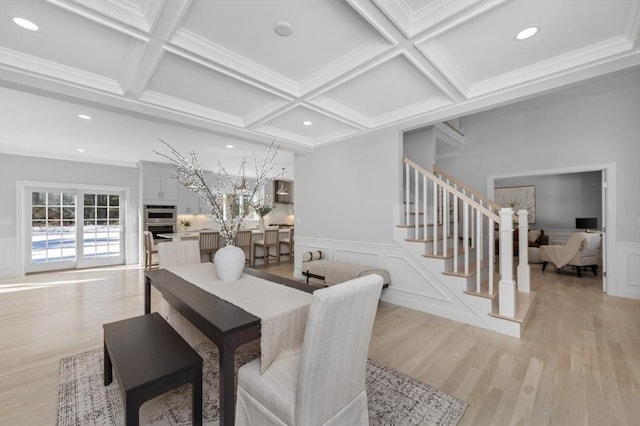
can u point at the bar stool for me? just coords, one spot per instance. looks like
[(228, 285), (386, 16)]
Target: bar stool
[(243, 240), (149, 249), (287, 242), (209, 243), (269, 239)]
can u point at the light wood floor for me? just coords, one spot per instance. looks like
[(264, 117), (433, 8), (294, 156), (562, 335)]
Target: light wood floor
[(578, 363)]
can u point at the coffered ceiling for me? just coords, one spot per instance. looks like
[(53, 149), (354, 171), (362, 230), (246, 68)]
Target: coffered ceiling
[(348, 66)]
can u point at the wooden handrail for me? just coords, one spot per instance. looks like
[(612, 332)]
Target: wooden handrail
[(438, 170), (451, 189), (496, 206)]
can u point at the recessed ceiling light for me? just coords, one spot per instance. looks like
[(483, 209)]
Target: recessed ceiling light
[(26, 24), (307, 123), (80, 149), (230, 146), (527, 33), (283, 28), (84, 116)]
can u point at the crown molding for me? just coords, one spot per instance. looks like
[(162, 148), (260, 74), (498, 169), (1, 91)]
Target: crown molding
[(574, 61), (341, 66), (141, 17), (23, 63), (215, 54), (339, 112), (179, 105), (108, 22), (380, 23), (632, 25), (437, 56), (285, 135), (406, 113)]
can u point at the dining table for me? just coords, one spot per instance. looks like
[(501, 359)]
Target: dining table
[(227, 325)]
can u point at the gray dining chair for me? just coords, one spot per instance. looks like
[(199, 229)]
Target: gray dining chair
[(325, 383)]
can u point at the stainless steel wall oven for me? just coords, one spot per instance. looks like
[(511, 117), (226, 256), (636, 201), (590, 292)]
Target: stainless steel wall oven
[(160, 219)]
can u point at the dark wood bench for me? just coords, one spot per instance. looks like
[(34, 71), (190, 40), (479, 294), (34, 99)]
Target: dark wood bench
[(150, 358)]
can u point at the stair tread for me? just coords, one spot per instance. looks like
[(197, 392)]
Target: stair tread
[(449, 253), (472, 270), (524, 305)]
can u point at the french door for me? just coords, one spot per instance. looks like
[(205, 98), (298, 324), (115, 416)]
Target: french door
[(73, 228)]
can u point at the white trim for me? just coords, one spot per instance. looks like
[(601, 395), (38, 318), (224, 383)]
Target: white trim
[(628, 261)]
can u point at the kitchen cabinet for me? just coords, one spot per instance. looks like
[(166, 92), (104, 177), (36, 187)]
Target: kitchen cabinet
[(158, 184), (188, 201)]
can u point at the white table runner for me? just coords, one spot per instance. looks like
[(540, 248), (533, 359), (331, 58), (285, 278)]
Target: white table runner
[(282, 310)]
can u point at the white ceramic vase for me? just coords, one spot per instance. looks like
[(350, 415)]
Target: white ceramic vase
[(261, 224), (229, 263)]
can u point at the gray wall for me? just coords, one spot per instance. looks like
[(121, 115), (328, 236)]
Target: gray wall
[(346, 190), (15, 168), (590, 124), (560, 199)]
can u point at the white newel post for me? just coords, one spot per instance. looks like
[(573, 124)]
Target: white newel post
[(523, 249), (507, 299)]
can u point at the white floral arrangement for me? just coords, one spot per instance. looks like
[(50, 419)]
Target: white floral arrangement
[(234, 188)]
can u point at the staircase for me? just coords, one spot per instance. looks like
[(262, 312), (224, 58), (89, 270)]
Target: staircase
[(450, 231)]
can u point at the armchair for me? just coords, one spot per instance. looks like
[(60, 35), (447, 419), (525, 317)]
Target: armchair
[(582, 250), (536, 238)]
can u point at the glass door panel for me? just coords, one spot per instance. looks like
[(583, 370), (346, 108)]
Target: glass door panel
[(101, 233), (53, 230), (71, 228)]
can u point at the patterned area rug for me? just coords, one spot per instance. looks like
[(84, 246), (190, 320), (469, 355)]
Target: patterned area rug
[(394, 398)]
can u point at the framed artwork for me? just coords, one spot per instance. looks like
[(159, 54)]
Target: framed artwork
[(518, 198)]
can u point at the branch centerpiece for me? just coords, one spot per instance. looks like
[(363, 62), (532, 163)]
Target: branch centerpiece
[(229, 198)]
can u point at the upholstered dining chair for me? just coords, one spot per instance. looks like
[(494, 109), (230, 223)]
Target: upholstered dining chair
[(269, 240), (287, 242), (325, 383), (178, 252), (150, 249), (243, 240), (209, 243)]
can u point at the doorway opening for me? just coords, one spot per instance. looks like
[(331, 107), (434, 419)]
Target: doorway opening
[(602, 195)]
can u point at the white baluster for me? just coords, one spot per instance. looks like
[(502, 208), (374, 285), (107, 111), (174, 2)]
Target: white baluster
[(445, 220), (492, 253), (407, 192), (455, 233), (465, 235), (478, 250), (507, 298), (523, 252), (434, 234), (425, 221), (416, 204)]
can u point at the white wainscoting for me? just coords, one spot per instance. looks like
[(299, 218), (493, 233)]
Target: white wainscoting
[(8, 258), (411, 285), (627, 277)]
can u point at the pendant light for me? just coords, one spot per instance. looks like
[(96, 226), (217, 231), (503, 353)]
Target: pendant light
[(243, 184), (282, 189)]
